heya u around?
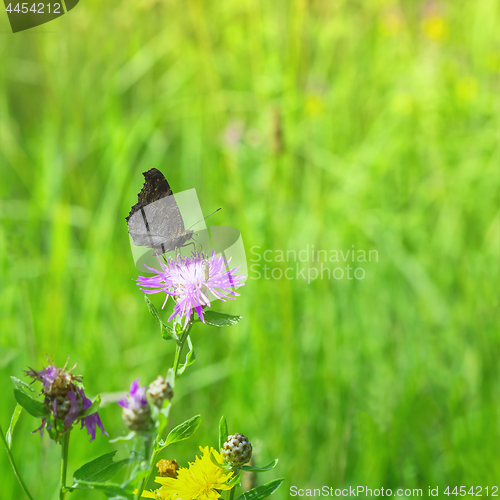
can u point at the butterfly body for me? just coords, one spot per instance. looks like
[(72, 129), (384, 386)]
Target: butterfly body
[(155, 221)]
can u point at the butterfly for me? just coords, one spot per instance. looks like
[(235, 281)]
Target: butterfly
[(155, 221)]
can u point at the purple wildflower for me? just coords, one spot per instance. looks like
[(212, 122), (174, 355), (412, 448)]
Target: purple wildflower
[(73, 412), (65, 400), (136, 398), (136, 413), (90, 422), (41, 428), (189, 279), (48, 376), (54, 380)]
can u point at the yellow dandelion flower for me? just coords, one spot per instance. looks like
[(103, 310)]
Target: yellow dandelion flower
[(150, 494), (202, 480)]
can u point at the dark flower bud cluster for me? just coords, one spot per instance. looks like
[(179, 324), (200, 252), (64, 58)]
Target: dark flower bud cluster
[(65, 400), (160, 390), (237, 450)]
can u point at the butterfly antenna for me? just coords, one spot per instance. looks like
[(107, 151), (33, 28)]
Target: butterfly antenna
[(206, 217)]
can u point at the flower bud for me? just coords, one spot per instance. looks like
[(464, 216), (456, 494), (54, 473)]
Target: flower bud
[(168, 468), (137, 419), (159, 390), (237, 450), (136, 412)]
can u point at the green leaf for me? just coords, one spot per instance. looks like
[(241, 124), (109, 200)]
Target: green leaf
[(116, 492), (162, 421), (178, 328), (170, 378), (182, 431), (167, 333), (221, 319), (112, 491), (218, 464), (26, 401), (166, 410), (190, 358), (263, 491), (15, 417), (152, 309), (223, 432), (93, 408), (250, 468), (32, 406), (234, 481), (100, 469), (160, 416), (19, 384)]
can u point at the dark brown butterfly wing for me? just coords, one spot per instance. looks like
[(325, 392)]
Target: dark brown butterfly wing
[(155, 187), (155, 221)]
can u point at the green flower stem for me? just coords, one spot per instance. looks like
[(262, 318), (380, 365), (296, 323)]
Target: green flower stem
[(147, 452), (180, 346), (154, 456), (231, 492), (131, 466), (64, 464), (13, 464), (155, 452)]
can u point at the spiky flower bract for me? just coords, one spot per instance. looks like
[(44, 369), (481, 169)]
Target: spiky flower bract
[(202, 480), (189, 279)]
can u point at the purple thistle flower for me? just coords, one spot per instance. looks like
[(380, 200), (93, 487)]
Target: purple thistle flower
[(189, 279), (54, 380), (65, 399), (48, 376), (40, 429), (136, 398), (136, 413), (91, 422), (74, 410)]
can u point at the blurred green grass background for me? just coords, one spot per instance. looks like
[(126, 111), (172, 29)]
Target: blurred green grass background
[(325, 123)]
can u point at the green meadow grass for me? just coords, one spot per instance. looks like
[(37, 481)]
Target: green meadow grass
[(340, 124)]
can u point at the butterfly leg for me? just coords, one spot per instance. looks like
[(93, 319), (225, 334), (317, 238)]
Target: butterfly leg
[(191, 243)]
